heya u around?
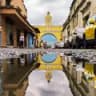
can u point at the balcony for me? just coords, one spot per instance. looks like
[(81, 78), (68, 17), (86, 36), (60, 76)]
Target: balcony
[(9, 5)]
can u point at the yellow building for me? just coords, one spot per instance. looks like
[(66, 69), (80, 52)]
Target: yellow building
[(49, 28)]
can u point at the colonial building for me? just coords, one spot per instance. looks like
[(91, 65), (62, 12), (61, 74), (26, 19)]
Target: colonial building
[(49, 28), (14, 24), (80, 11)]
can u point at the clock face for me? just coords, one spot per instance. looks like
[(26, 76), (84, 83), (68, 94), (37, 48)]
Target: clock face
[(49, 57)]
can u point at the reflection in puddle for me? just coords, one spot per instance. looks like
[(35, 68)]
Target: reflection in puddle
[(14, 73), (41, 74), (48, 76), (49, 79), (38, 86), (82, 76), (49, 57)]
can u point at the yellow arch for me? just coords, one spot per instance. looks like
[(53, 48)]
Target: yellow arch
[(49, 28), (56, 65), (54, 30), (47, 34)]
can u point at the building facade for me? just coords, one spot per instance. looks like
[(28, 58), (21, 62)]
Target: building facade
[(14, 24), (80, 11)]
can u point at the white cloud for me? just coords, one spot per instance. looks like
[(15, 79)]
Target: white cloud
[(37, 9)]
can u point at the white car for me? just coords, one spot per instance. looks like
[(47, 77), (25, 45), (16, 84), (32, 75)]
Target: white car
[(53, 46), (60, 44)]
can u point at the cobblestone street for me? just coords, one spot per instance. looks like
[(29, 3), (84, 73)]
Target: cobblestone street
[(7, 52)]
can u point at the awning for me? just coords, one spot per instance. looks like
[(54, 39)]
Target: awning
[(17, 18)]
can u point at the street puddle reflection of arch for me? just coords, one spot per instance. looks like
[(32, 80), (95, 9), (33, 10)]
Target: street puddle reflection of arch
[(49, 61), (49, 57)]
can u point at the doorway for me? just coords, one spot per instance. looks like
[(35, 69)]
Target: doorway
[(9, 32)]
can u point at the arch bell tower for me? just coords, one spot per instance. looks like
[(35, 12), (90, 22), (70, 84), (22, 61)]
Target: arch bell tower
[(48, 19), (49, 29)]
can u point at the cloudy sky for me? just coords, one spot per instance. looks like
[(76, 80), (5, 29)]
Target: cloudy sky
[(37, 9)]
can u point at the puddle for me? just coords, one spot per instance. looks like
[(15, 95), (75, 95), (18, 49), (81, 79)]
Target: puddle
[(47, 74)]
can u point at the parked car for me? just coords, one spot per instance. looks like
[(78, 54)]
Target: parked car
[(59, 44)]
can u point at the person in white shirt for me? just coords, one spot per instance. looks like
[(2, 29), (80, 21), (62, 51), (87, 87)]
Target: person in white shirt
[(21, 41)]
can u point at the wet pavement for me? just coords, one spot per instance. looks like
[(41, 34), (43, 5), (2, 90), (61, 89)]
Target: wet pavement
[(38, 85), (48, 73)]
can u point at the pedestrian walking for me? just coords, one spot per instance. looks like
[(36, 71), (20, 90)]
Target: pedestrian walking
[(21, 41)]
